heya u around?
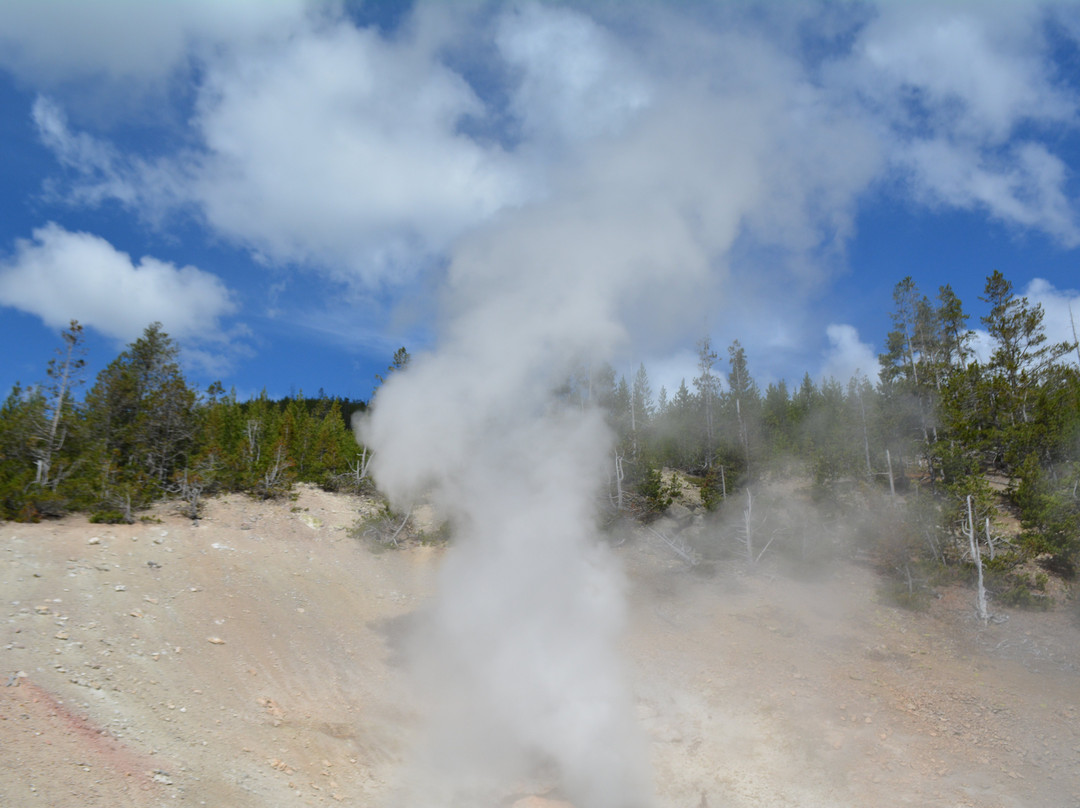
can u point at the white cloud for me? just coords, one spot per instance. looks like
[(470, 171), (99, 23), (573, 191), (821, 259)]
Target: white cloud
[(134, 43), (982, 345), (1026, 188), (575, 80), (972, 68), (1061, 312), (848, 356), (59, 275), (962, 92), (341, 149), (703, 140), (333, 148), (104, 172)]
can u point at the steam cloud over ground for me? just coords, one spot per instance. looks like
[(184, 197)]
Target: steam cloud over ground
[(655, 192), (519, 663), (530, 608)]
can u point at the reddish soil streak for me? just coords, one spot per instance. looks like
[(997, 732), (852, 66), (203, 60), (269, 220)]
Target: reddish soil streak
[(45, 710)]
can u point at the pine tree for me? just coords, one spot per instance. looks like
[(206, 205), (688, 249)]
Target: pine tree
[(707, 384), (140, 414), (1022, 356), (778, 419), (744, 401), (20, 414), (642, 411), (955, 336)]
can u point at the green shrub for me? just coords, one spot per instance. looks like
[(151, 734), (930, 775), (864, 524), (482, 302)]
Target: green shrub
[(109, 518)]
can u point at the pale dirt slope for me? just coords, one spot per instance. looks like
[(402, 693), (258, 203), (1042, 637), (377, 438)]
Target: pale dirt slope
[(251, 660)]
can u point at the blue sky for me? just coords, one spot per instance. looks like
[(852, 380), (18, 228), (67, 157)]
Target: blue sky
[(296, 189)]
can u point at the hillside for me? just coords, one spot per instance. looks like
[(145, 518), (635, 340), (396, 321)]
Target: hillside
[(252, 659)]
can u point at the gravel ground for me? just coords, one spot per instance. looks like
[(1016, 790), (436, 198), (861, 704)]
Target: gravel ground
[(251, 659)]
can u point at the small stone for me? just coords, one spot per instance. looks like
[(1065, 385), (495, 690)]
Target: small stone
[(94, 540), (215, 640), (120, 588)]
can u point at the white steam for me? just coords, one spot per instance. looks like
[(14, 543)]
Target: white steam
[(683, 175), (522, 661)]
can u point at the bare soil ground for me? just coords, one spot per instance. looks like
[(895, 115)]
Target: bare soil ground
[(249, 660)]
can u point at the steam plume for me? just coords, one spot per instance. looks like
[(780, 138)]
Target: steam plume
[(523, 649), (522, 657)]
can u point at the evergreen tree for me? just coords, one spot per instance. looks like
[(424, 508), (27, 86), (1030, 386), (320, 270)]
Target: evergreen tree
[(1022, 356), (911, 343), (642, 410), (707, 384), (955, 336), (20, 415), (399, 362), (140, 414), (744, 404), (778, 420)]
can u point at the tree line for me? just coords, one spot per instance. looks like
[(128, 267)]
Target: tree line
[(938, 426), (141, 433)]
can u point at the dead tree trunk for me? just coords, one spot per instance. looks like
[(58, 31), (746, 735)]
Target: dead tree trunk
[(980, 592), (748, 528), (866, 439), (750, 531), (619, 474), (360, 467)]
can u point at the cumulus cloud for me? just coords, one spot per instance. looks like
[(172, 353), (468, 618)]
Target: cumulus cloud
[(1026, 189), (341, 149), (332, 147), (847, 355), (574, 79), (973, 69), (962, 92), (59, 275), (935, 91), (370, 154), (128, 42), (1061, 312)]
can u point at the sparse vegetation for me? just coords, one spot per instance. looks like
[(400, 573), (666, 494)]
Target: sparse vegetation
[(938, 427), (142, 434)]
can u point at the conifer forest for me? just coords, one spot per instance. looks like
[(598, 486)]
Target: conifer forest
[(953, 442)]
